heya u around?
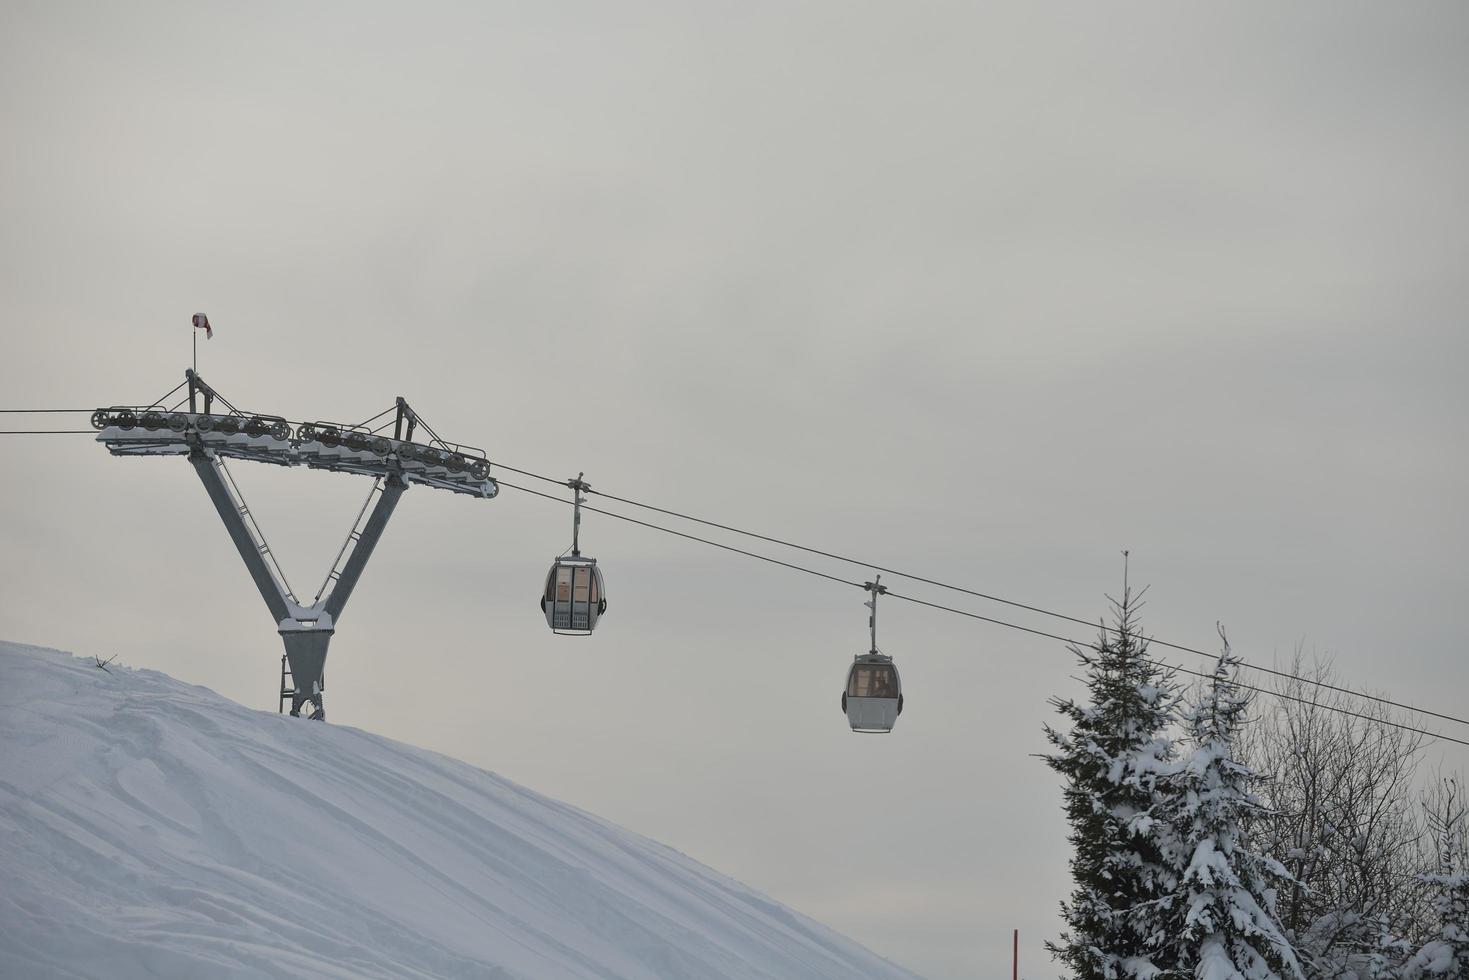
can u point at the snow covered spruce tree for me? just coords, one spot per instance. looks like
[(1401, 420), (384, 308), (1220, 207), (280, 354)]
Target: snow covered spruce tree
[(1111, 759), (1221, 916), (1446, 957)]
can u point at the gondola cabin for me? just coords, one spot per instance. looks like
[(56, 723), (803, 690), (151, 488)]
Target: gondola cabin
[(574, 597), (873, 698)]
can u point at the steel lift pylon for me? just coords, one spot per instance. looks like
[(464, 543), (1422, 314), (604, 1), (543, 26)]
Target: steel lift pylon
[(207, 438)]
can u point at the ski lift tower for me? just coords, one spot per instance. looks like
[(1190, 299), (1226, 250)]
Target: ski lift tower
[(208, 434)]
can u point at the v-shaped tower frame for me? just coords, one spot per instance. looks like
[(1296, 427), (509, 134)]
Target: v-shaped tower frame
[(207, 438)]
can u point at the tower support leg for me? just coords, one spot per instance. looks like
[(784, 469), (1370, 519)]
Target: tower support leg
[(306, 631), (306, 651)]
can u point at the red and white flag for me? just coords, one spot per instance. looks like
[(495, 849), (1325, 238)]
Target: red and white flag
[(201, 322)]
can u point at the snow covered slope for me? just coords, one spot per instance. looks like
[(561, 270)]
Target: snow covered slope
[(153, 829)]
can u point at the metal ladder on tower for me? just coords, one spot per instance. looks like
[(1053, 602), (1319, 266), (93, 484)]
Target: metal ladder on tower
[(288, 685)]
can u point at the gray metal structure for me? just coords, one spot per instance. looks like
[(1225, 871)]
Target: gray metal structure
[(208, 438), (873, 697), (575, 596)]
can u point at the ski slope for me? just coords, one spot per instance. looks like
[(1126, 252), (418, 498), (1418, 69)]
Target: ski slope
[(149, 828)]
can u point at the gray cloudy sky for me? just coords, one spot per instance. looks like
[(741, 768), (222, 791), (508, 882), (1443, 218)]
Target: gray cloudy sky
[(990, 293)]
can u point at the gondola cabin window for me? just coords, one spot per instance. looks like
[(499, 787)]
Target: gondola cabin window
[(877, 681), (573, 583)]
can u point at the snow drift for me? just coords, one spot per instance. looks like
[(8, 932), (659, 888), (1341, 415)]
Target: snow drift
[(150, 828)]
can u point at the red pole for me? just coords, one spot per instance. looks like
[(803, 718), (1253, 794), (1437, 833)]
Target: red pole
[(1015, 959)]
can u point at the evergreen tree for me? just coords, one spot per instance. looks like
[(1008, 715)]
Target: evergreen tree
[(1111, 758), (1447, 956), (1222, 917), (1384, 960)]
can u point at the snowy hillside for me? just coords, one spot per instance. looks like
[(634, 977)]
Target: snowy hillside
[(150, 828)]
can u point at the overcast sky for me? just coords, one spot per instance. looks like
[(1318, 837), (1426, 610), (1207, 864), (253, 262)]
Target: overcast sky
[(988, 293)]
